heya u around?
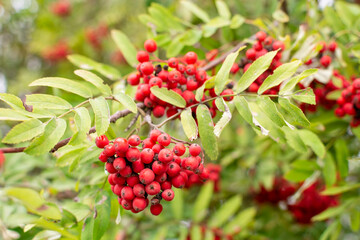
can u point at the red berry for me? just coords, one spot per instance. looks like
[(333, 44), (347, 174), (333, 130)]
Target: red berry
[(156, 209), (205, 174), (109, 150), (111, 179), (103, 157), (178, 181), (155, 81), (260, 36), (119, 164), (191, 163), (174, 76), (191, 84), (110, 168), (142, 56), (356, 83), (132, 180), (200, 76), (121, 145), (173, 169), (332, 46), (339, 112), (153, 188), (127, 205), (133, 79), (268, 41), (164, 139), (101, 141), (146, 176), (126, 172), (154, 134), (195, 149), (156, 148), (190, 69), (234, 68), (161, 178), (190, 58), (133, 154), (258, 46), (168, 195), (137, 166), (228, 92), (158, 167), (278, 45), (349, 109), (189, 97), (173, 62), (165, 155), (325, 61), (253, 88), (139, 190), (251, 54), (134, 140), (147, 143), (118, 179), (127, 193), (158, 111), (179, 149), (117, 189), (139, 204), (150, 45), (147, 155), (166, 185), (146, 68)]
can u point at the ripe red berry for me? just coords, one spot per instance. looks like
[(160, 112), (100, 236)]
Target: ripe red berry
[(150, 45), (158, 167), (110, 168), (234, 68), (132, 180), (195, 149), (109, 150), (258, 46), (134, 140), (153, 188), (189, 97), (126, 204), (155, 81), (156, 209), (146, 68), (161, 178), (147, 143), (117, 189), (173, 62), (179, 149), (146, 176), (165, 155), (139, 190), (228, 92), (139, 204), (137, 166), (154, 134), (260, 36), (181, 68), (119, 164), (127, 193), (101, 141), (339, 112), (103, 157), (190, 69), (133, 154), (200, 76), (205, 174), (332, 46), (190, 58), (253, 88), (121, 145), (111, 179), (158, 111), (156, 148), (268, 41), (191, 163), (118, 179), (178, 181), (142, 56), (174, 76), (126, 172), (356, 83), (133, 79), (166, 185), (325, 61), (173, 169), (164, 139), (278, 45), (251, 54), (168, 195), (147, 155), (191, 84)]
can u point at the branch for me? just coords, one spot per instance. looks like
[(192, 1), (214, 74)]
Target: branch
[(113, 119)]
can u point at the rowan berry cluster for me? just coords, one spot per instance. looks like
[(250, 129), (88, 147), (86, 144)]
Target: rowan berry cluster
[(349, 103), (181, 75), (57, 52), (311, 203), (138, 172), (263, 45), (95, 36), (61, 8), (282, 189)]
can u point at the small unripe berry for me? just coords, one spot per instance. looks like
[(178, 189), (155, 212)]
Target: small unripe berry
[(101, 141), (146, 176), (150, 45), (156, 209), (168, 195)]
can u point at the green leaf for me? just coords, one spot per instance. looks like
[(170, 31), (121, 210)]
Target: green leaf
[(217, 22), (335, 190), (280, 74), (222, 76), (297, 175), (89, 64), (294, 140), (87, 229), (240, 221), (334, 95), (190, 37), (34, 202), (306, 96), (169, 96), (7, 114), (243, 108), (313, 141), (177, 204), (330, 231), (227, 210), (195, 232), (200, 93), (83, 124), (329, 170), (295, 80), (189, 124), (342, 154), (259, 66), (164, 16), (79, 210), (94, 80), (50, 225), (64, 84), (13, 101), (54, 130), (197, 11), (269, 108), (202, 202), (236, 21), (125, 45), (174, 48), (223, 9), (306, 165), (297, 115), (24, 131), (223, 121), (47, 101), (280, 16), (126, 101), (102, 114), (206, 131), (329, 213), (72, 154), (355, 220), (102, 219)]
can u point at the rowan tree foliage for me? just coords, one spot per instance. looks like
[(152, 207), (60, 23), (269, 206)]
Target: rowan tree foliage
[(226, 120)]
